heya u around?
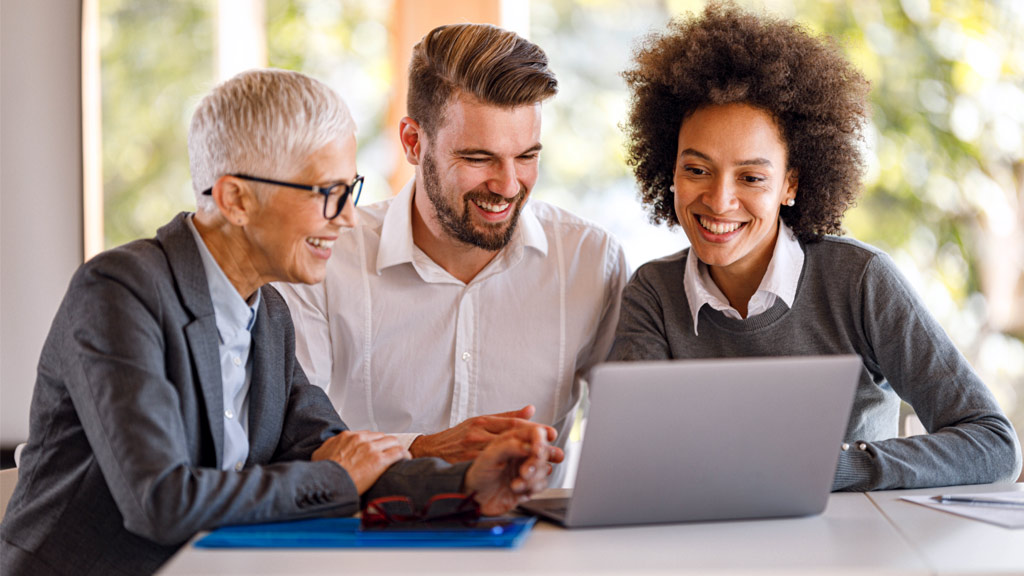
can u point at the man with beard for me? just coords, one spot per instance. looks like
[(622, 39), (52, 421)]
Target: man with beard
[(478, 308)]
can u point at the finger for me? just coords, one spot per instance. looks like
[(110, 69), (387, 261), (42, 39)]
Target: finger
[(360, 435), (532, 433), (533, 469), (508, 447), (392, 455), (539, 486), (398, 452), (525, 413), (555, 454), (383, 441), (532, 485), (499, 424), (519, 486)]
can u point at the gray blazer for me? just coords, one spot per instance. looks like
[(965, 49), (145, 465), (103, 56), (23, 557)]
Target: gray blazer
[(126, 436)]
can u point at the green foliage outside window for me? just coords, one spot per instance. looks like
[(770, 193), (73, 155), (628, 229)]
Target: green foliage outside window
[(156, 61)]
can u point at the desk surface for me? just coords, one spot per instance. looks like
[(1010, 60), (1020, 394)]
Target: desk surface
[(857, 534), (948, 543)]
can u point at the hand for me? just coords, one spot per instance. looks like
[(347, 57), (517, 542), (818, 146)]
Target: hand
[(364, 455), (512, 468), (466, 440)]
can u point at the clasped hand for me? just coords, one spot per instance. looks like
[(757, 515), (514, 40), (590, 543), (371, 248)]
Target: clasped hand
[(513, 467)]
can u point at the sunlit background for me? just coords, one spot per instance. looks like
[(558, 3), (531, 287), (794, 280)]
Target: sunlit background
[(945, 179)]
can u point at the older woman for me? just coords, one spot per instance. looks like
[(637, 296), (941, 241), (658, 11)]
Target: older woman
[(169, 399), (744, 130)]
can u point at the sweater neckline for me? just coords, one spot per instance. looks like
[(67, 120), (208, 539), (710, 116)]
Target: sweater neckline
[(762, 320)]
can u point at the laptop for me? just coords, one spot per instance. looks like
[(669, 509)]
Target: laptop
[(695, 440)]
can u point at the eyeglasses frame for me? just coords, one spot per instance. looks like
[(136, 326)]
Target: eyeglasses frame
[(353, 188), (375, 515)]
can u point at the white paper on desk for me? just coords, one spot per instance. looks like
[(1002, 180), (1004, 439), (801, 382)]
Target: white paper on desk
[(1005, 516)]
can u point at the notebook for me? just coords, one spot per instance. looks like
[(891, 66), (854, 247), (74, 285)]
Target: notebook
[(693, 440)]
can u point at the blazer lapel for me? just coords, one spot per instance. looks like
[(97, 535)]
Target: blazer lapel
[(267, 391), (202, 341), (187, 267)]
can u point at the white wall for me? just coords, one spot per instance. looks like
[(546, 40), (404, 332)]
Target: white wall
[(40, 187)]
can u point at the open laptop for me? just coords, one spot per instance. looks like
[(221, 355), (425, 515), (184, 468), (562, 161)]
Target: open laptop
[(689, 440)]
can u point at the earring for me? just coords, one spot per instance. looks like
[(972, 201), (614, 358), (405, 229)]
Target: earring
[(791, 202), (672, 188)]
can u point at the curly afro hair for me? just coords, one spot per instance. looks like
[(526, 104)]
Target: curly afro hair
[(727, 55)]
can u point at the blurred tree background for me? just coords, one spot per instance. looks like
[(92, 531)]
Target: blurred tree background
[(944, 192), (156, 61)]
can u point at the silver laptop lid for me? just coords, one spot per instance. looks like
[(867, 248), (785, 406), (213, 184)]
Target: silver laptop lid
[(712, 439)]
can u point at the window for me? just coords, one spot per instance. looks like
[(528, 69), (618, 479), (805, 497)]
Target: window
[(943, 190)]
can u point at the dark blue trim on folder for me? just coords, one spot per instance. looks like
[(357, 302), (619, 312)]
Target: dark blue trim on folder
[(346, 533)]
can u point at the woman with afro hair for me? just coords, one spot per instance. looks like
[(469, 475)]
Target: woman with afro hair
[(745, 130)]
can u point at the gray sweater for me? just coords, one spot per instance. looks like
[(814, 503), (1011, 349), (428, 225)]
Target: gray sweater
[(851, 300)]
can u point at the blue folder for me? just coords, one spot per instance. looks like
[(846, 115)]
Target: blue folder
[(346, 533)]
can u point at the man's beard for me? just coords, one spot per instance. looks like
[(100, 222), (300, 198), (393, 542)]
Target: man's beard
[(491, 237)]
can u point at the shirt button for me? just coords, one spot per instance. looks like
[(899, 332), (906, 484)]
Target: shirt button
[(466, 356), (237, 361), (229, 414), (238, 466)]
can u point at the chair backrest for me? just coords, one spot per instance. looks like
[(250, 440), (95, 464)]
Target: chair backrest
[(8, 479)]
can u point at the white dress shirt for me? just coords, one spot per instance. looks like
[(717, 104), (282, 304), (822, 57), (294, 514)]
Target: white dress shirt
[(235, 319), (401, 346), (780, 280)]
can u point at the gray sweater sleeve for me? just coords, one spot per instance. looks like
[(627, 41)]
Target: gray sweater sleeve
[(641, 333), (970, 441)]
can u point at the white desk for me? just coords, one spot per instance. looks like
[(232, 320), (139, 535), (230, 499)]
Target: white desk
[(950, 544), (851, 537)]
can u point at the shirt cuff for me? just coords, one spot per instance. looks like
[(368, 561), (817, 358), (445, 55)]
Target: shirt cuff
[(855, 471), (407, 439)]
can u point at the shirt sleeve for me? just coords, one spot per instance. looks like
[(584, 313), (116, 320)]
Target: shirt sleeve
[(616, 276), (407, 439), (970, 440), (308, 308), (640, 334)]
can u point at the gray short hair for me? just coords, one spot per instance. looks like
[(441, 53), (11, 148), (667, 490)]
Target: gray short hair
[(262, 123)]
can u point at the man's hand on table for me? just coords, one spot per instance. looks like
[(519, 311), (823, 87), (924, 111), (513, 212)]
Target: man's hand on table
[(469, 438)]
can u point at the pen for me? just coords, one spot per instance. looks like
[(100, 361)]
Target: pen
[(953, 499)]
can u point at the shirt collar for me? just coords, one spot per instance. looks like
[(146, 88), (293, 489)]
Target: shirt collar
[(232, 313), (783, 274), (781, 278), (396, 242), (396, 245)]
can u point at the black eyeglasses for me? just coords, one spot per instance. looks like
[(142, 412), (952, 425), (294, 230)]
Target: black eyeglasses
[(441, 509), (335, 195)]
